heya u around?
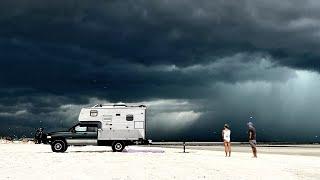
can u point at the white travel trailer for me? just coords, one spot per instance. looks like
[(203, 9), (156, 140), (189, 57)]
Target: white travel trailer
[(118, 121), (115, 125)]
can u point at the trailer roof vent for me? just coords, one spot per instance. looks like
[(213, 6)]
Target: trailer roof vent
[(120, 104)]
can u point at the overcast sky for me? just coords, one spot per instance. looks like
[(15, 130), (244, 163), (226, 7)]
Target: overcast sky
[(196, 64)]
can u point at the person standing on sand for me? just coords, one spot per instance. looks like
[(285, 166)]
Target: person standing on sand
[(252, 138), (226, 139)]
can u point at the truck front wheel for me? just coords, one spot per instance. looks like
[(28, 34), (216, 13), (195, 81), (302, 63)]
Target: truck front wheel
[(59, 146), (118, 146)]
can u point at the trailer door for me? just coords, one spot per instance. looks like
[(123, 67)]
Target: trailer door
[(130, 121), (107, 121), (139, 122)]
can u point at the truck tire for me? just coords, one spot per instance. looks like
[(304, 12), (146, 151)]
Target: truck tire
[(118, 146), (59, 146)]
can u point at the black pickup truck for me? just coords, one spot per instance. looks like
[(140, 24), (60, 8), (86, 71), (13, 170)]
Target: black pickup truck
[(81, 134)]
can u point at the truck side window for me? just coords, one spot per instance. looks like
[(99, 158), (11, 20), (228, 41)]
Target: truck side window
[(93, 113), (80, 128), (92, 129), (129, 117)]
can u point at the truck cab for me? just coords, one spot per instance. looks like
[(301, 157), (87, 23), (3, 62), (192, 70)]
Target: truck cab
[(83, 133)]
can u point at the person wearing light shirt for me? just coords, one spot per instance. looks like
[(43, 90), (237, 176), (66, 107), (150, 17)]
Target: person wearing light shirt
[(226, 133)]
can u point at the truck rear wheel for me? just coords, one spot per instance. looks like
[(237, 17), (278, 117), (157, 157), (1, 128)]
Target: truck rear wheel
[(59, 146), (118, 146)]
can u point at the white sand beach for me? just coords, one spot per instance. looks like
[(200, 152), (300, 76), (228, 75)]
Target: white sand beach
[(31, 161)]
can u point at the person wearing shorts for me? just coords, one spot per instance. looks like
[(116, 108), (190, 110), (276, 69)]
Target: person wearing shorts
[(252, 138), (226, 132)]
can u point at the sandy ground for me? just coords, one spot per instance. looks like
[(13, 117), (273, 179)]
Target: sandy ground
[(30, 161), (304, 150)]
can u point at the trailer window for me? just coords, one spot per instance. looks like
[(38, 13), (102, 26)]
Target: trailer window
[(93, 113), (129, 117), (117, 114)]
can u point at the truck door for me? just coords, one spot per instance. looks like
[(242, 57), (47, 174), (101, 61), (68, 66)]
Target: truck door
[(85, 134)]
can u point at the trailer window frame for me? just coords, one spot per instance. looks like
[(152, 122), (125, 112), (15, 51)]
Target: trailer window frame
[(93, 113)]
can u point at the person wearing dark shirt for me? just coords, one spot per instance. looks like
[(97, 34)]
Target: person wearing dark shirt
[(252, 138), (39, 136)]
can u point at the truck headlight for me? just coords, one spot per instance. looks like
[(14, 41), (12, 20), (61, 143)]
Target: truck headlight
[(48, 137)]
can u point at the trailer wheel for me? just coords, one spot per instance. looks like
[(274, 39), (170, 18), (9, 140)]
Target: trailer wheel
[(118, 146), (59, 146)]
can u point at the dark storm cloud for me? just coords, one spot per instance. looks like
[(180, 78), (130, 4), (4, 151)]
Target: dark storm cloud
[(58, 53), (178, 32)]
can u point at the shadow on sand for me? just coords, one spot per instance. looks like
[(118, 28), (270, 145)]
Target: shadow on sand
[(142, 150), (126, 150), (100, 151)]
